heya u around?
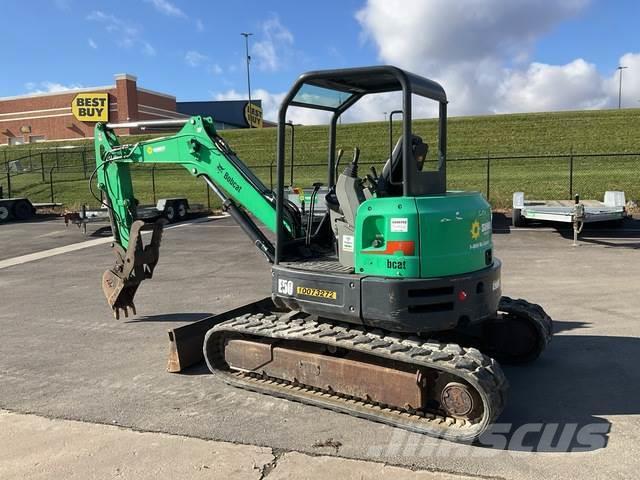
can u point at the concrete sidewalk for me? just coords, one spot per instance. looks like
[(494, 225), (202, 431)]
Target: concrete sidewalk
[(34, 447)]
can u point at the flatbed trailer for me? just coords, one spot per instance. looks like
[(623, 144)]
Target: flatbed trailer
[(20, 209), (173, 209), (577, 212)]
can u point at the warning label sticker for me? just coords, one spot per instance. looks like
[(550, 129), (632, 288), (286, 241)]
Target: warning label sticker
[(347, 243), (399, 224)]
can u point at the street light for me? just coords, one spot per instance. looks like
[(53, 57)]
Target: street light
[(246, 36), (385, 116), (620, 68)]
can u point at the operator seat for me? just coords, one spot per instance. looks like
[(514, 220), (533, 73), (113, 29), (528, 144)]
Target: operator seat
[(390, 180)]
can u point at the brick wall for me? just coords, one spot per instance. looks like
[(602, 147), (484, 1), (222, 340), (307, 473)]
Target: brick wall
[(49, 115)]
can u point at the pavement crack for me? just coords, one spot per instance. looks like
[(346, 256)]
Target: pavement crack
[(271, 466), (329, 442)]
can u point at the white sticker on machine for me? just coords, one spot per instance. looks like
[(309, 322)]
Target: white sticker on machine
[(400, 225), (347, 243)]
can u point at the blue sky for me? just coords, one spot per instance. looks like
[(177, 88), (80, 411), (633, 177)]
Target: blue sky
[(490, 55)]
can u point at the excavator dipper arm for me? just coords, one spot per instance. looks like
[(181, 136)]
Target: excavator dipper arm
[(203, 153)]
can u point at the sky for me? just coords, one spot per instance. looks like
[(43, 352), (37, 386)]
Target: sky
[(491, 56)]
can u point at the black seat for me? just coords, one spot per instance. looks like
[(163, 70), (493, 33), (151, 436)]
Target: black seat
[(390, 180)]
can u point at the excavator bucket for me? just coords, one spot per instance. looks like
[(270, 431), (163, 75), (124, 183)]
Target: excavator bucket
[(134, 265)]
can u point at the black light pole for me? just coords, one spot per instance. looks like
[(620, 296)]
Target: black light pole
[(246, 45), (620, 68)]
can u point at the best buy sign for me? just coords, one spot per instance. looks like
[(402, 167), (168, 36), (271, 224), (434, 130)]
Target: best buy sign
[(91, 107)]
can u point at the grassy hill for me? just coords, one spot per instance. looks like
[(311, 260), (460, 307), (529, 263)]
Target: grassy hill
[(557, 133)]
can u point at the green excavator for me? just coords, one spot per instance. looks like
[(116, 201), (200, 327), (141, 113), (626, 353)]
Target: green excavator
[(386, 300)]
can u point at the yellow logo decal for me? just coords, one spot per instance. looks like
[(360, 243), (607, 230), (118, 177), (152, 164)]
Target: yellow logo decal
[(475, 230), (149, 150), (253, 115), (91, 107)]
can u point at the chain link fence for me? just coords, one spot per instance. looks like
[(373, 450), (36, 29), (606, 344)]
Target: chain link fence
[(61, 175)]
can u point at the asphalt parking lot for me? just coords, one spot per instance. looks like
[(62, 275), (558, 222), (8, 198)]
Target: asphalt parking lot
[(63, 355)]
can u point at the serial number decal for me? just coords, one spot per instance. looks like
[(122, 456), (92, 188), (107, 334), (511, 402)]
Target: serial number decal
[(317, 292)]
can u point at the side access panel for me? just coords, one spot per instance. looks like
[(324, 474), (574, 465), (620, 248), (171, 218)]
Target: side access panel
[(330, 294)]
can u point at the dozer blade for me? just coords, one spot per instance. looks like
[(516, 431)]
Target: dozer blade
[(185, 347), (134, 265)]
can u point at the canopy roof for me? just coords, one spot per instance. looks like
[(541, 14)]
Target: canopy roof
[(338, 89)]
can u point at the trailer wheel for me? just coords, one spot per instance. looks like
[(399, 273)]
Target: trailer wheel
[(517, 218), (181, 210), (170, 213), (23, 210), (4, 213)]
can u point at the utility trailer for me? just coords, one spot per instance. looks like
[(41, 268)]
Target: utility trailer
[(173, 209), (577, 212), (20, 208)]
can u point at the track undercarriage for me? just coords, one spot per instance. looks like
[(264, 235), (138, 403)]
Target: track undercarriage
[(431, 386)]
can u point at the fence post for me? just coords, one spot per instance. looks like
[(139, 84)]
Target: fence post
[(488, 175), (571, 173), (8, 180), (271, 175), (42, 166), (84, 163), (51, 184), (153, 181)]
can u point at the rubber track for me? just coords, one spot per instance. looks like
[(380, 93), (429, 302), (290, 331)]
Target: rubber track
[(536, 315), (468, 364)]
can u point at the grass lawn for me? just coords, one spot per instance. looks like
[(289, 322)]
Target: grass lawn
[(602, 131)]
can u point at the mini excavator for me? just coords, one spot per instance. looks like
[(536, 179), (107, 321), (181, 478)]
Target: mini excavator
[(387, 305)]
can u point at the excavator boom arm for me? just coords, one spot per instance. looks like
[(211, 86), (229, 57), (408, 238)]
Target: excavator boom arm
[(197, 148)]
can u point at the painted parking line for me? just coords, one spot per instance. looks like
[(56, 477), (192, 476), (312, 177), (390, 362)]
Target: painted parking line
[(32, 257)]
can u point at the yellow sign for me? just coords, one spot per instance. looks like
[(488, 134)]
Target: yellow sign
[(253, 115), (91, 107), (317, 292)]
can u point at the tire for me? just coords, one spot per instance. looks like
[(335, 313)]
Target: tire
[(517, 219), (181, 211), (4, 214), (170, 213), (22, 210)]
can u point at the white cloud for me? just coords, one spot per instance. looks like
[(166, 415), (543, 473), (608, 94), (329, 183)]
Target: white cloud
[(440, 30), (148, 49), (50, 87), (62, 4), (167, 8), (480, 50), (92, 43), (215, 69), (199, 25), (123, 31), (543, 88), (274, 47), (630, 81), (194, 58)]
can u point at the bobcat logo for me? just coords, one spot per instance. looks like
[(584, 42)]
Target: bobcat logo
[(220, 168)]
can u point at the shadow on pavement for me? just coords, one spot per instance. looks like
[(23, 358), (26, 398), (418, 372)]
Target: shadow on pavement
[(578, 380)]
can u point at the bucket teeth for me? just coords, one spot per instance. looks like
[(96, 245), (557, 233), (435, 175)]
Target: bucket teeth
[(120, 283)]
